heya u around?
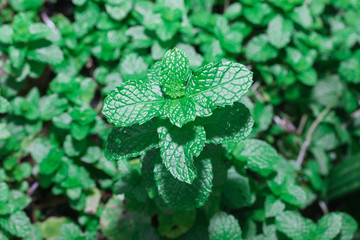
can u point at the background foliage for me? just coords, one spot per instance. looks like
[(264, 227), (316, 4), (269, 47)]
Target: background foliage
[(59, 59)]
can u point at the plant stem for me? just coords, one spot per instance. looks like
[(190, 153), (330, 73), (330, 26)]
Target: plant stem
[(311, 131), (226, 4), (302, 123), (324, 207)]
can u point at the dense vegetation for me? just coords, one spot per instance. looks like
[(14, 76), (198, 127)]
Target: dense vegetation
[(272, 154)]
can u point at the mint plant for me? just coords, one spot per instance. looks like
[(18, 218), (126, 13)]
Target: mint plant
[(294, 177), (179, 110)]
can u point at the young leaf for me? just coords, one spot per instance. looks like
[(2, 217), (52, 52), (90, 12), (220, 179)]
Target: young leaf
[(217, 85), (224, 226), (175, 71), (183, 196), (133, 102), (131, 141), (180, 111), (178, 146)]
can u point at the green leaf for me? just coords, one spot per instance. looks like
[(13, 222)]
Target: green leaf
[(258, 155), (175, 224), (133, 67), (73, 147), (233, 11), (327, 90), (133, 102), (6, 33), (52, 162), (293, 225), (273, 206), (259, 49), (4, 192), (237, 191), (279, 31), (131, 141), (348, 226), (23, 5), (344, 178), (4, 131), (195, 59), (224, 226), (118, 223), (328, 227), (350, 68), (118, 9), (18, 224), (298, 60), (51, 106), (50, 227), (183, 196), (217, 85), (69, 230), (17, 56), (180, 111), (4, 105), (308, 77), (178, 146), (175, 71), (166, 30), (86, 17), (263, 115), (51, 55), (228, 124), (302, 16)]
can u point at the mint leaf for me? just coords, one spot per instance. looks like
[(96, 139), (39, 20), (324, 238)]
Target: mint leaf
[(4, 192), (236, 190), (172, 225), (70, 231), (180, 111), (4, 105), (328, 227), (214, 85), (175, 71), (183, 196), (178, 146), (131, 141), (228, 124), (348, 226), (217, 85), (6, 33), (224, 226), (133, 102), (259, 49), (279, 31), (51, 55), (273, 206), (133, 67), (18, 224), (259, 156), (293, 225)]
